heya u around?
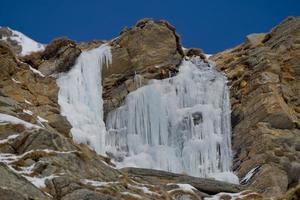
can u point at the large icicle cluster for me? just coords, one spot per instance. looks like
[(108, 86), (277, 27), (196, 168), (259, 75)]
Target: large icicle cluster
[(180, 124), (80, 97)]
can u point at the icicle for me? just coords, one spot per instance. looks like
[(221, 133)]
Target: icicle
[(180, 124), (80, 97)]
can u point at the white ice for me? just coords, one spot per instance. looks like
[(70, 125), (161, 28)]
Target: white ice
[(80, 97), (181, 124)]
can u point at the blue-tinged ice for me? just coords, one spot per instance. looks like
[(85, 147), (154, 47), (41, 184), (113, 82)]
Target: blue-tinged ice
[(180, 124), (80, 97)]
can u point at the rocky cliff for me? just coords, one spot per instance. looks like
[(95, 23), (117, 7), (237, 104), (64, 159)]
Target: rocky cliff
[(265, 93), (39, 159)]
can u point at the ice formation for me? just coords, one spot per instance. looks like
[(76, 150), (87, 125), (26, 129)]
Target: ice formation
[(80, 97), (180, 124)]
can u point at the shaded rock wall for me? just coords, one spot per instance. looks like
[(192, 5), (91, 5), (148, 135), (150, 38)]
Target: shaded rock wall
[(265, 97)]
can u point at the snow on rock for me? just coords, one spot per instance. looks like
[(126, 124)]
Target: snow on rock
[(96, 183), (229, 177), (235, 196), (9, 138), (183, 187), (8, 158), (4, 118), (36, 71), (27, 170), (28, 102), (208, 55), (143, 189), (28, 45), (80, 97), (132, 195), (42, 120), (15, 81), (249, 175), (39, 182), (27, 112)]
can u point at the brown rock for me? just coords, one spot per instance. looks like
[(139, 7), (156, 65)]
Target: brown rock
[(265, 124), (58, 56), (151, 49)]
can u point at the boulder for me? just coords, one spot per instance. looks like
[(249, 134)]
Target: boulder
[(208, 186)]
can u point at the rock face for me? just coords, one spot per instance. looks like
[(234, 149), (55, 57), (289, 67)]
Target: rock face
[(151, 49), (59, 56), (265, 97), (38, 157), (20, 43)]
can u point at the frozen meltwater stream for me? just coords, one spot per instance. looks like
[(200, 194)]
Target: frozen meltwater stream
[(79, 97), (180, 124)]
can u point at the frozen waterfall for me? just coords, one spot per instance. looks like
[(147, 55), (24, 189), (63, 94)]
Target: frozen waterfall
[(180, 124), (80, 97)]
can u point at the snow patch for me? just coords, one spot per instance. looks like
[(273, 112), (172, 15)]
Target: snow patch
[(96, 183), (15, 81), (249, 175), (28, 102), (132, 194), (183, 187), (4, 118), (39, 182), (27, 112), (234, 196), (208, 55), (229, 177), (36, 71), (42, 120), (9, 138), (28, 45), (27, 170)]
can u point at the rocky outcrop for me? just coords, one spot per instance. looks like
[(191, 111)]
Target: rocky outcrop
[(59, 56), (14, 186), (151, 49), (208, 186), (39, 160), (265, 82), (38, 157), (19, 43)]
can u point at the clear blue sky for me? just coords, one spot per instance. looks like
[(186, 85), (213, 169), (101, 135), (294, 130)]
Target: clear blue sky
[(211, 25)]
